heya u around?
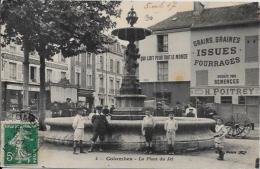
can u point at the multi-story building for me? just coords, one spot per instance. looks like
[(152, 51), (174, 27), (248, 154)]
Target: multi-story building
[(164, 64), (212, 53), (225, 58), (12, 78), (82, 69), (108, 74)]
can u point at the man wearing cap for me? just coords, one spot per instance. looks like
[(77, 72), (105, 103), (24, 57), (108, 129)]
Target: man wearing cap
[(148, 125), (78, 126), (100, 125), (170, 127)]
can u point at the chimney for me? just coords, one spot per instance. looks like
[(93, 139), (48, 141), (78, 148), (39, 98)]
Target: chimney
[(198, 7)]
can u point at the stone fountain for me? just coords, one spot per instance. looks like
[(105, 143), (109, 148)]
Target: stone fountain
[(124, 131), (130, 102)]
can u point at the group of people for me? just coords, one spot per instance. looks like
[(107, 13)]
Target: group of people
[(100, 125), (170, 127)]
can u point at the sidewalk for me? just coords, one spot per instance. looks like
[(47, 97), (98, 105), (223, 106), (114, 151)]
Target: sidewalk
[(240, 154)]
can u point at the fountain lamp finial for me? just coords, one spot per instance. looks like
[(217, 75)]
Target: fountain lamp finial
[(131, 17)]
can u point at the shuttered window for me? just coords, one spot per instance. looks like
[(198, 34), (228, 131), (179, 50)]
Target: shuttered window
[(251, 49), (201, 78), (252, 76)]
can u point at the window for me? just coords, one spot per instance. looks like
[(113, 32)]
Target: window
[(88, 59), (252, 76), (117, 85), (201, 77), (77, 78), (241, 100), (111, 83), (226, 99), (101, 82), (89, 80), (101, 63), (118, 67), (63, 75), (12, 71), (162, 43), (33, 74), (111, 65), (251, 49), (78, 59), (49, 75), (162, 68)]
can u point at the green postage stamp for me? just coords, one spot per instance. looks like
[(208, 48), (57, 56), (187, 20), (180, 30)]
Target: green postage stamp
[(19, 143)]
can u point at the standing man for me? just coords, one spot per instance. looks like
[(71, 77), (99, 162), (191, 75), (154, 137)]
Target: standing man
[(178, 110), (148, 125), (170, 127), (100, 125), (67, 108), (220, 138), (191, 110), (78, 126), (105, 111)]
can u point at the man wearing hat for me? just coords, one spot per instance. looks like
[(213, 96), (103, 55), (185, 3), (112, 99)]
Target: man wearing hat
[(100, 125), (78, 126), (170, 127)]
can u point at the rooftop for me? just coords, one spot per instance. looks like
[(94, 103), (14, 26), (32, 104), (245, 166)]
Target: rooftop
[(211, 17)]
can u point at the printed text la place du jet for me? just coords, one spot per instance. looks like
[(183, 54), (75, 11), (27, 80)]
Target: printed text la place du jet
[(149, 158)]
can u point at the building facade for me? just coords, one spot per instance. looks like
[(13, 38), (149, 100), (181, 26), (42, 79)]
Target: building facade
[(164, 64), (214, 50), (12, 78), (109, 68), (82, 72), (225, 58)]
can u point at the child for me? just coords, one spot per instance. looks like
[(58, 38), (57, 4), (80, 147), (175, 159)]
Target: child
[(147, 130), (100, 126), (220, 138), (170, 127), (78, 125)]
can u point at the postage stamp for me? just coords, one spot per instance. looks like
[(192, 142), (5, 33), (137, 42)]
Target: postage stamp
[(19, 143)]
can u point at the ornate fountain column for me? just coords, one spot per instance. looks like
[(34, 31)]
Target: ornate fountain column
[(130, 102)]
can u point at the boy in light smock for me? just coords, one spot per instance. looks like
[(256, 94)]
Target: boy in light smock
[(170, 126), (78, 126), (220, 138)]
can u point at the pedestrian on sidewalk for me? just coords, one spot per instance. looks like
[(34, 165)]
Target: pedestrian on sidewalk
[(148, 125), (220, 138), (100, 125), (170, 126), (78, 126)]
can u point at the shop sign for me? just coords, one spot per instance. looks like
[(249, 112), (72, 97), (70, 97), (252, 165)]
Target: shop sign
[(226, 91), (164, 57)]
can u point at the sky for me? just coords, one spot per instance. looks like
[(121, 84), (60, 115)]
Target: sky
[(152, 12)]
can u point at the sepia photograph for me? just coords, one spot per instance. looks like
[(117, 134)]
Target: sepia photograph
[(129, 84)]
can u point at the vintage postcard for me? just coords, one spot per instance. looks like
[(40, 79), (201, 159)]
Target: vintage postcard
[(129, 84)]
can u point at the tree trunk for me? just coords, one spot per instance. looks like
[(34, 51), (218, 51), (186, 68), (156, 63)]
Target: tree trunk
[(26, 76), (42, 106), (2, 116)]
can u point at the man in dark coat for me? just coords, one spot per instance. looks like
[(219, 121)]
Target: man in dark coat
[(105, 111), (67, 108), (100, 125), (178, 110)]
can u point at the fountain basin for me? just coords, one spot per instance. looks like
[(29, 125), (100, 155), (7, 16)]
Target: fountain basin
[(193, 134), (131, 33)]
